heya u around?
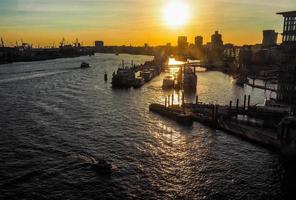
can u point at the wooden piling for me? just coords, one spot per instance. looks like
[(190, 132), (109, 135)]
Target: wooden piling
[(265, 85), (230, 105), (165, 101), (245, 101), (196, 100), (237, 104), (216, 112), (249, 101), (172, 99)]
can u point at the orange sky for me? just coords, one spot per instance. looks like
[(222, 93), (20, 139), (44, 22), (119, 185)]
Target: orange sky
[(136, 22)]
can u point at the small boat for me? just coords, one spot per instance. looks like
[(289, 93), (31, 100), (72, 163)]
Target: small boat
[(241, 80), (84, 65), (147, 75), (168, 82), (139, 82), (102, 166)]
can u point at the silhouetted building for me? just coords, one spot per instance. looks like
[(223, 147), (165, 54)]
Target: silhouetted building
[(99, 43), (216, 40), (182, 42), (198, 41), (289, 32), (269, 38), (287, 78)]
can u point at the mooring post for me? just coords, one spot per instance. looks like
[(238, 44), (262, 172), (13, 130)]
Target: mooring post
[(230, 106), (265, 85), (253, 82), (213, 112), (216, 112), (183, 99), (249, 101), (245, 101), (165, 101), (169, 100), (172, 99), (196, 100), (237, 104)]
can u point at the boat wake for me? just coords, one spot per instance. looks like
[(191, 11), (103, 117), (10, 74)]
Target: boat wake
[(84, 158), (38, 75)]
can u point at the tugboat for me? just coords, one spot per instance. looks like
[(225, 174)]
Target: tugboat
[(102, 166), (84, 65)]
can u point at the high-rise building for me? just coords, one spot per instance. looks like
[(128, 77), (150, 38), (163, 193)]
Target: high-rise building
[(287, 78), (182, 42), (289, 31), (216, 40), (198, 41), (269, 38), (99, 43)]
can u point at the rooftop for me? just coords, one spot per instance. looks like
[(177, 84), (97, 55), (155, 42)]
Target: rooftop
[(287, 14)]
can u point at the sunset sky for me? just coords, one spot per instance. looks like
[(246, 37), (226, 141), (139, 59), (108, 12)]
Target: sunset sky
[(135, 22)]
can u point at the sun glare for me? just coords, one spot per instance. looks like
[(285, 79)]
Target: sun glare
[(176, 14)]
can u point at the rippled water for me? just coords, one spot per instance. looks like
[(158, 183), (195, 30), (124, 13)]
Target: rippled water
[(56, 117)]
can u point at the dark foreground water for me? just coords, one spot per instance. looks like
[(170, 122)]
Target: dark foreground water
[(56, 117)]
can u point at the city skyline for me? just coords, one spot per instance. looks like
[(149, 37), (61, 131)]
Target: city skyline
[(136, 22)]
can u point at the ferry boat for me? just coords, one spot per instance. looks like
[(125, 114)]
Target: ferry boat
[(168, 82), (189, 80), (123, 78)]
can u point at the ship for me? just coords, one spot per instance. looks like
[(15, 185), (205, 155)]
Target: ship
[(189, 80), (123, 78)]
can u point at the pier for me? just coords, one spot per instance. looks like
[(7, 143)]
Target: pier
[(257, 124)]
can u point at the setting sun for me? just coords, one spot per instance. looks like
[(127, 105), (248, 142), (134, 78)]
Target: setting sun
[(176, 14)]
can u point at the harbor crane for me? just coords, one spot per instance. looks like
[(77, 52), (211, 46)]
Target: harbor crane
[(2, 43)]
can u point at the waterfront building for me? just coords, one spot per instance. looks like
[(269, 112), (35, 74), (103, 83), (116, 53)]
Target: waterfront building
[(269, 38), (198, 41), (216, 40), (182, 42), (99, 43), (287, 78)]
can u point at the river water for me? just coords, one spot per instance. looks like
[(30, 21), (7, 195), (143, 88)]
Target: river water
[(56, 117)]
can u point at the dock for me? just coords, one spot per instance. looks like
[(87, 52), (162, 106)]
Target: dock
[(258, 125)]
